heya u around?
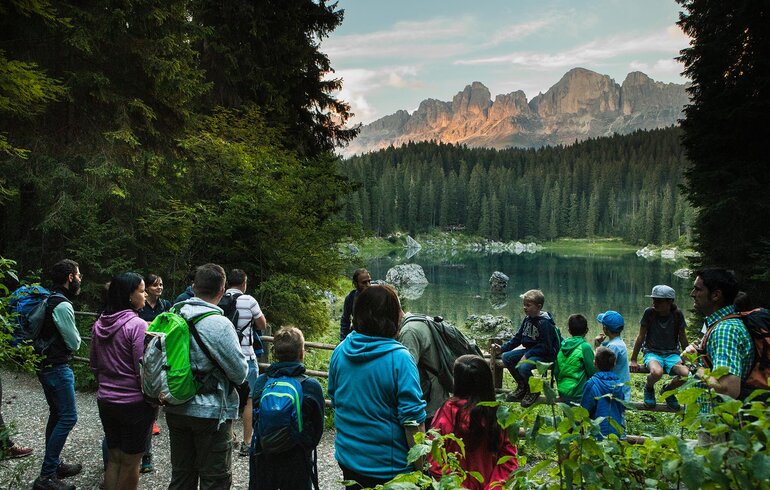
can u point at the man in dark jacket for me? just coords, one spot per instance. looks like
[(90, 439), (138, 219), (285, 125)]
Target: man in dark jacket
[(361, 280), (294, 468), (62, 339)]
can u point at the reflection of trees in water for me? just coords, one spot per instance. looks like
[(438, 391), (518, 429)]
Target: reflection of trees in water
[(587, 285)]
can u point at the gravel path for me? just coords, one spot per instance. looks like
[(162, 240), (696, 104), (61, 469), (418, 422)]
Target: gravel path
[(24, 408)]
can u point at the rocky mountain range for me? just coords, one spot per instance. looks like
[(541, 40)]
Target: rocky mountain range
[(583, 104)]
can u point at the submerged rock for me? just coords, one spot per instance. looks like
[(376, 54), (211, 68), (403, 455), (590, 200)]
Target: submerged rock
[(683, 273), (498, 281), (406, 274)]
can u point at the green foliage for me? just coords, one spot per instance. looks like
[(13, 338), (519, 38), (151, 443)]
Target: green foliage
[(725, 130), (622, 186)]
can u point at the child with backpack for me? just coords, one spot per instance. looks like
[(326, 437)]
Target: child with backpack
[(485, 442), (604, 382), (575, 361), (284, 441), (541, 340)]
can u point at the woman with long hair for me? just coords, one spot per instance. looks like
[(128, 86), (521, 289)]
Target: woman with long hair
[(375, 390), (485, 442), (116, 349)]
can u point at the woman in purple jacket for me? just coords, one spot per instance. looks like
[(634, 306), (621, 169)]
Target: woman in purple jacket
[(116, 349)]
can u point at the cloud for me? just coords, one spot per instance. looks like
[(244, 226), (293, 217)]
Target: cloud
[(359, 84), (666, 41), (516, 32), (435, 38), (662, 69)]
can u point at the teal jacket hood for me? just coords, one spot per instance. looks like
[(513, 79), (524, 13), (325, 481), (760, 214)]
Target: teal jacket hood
[(361, 348)]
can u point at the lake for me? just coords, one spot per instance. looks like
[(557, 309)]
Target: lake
[(586, 284)]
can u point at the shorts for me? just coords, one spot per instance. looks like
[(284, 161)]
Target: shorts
[(246, 390), (666, 361), (126, 425)]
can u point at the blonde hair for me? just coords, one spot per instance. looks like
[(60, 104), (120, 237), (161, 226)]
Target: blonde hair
[(288, 344), (534, 296)]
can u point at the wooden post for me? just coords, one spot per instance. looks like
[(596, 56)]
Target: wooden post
[(497, 373), (265, 358)]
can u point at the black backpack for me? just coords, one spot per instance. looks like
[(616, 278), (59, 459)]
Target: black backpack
[(229, 305), (450, 343)]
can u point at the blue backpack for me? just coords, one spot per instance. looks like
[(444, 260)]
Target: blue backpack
[(279, 416), (29, 304)]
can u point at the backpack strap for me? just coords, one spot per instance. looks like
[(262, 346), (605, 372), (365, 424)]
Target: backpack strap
[(197, 337), (702, 350)]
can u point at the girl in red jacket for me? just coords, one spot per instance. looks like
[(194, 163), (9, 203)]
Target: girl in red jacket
[(485, 442)]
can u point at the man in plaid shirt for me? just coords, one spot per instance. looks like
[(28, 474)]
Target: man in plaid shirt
[(727, 343)]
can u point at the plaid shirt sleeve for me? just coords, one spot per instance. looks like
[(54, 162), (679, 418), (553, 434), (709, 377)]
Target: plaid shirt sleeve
[(730, 345)]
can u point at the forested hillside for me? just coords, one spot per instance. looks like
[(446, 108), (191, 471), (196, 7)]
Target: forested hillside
[(620, 186), (156, 136)]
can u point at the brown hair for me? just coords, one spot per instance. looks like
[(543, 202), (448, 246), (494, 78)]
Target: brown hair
[(288, 344), (377, 312), (209, 280)]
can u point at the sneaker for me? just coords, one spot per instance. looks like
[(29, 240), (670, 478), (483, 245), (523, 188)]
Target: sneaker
[(16, 451), (673, 403), (155, 428), (244, 450), (517, 394), (50, 482), (529, 399), (147, 466), (649, 397), (65, 470)]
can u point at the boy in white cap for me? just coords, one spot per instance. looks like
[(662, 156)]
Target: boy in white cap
[(661, 338), (612, 325)]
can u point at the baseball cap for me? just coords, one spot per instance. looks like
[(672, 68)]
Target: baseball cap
[(612, 320), (661, 291)]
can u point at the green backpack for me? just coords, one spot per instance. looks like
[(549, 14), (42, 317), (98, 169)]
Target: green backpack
[(165, 370)]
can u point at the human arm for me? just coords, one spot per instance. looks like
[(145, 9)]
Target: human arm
[(312, 413), (137, 342), (501, 472), (410, 431), (513, 343), (222, 342), (588, 360), (633, 362), (347, 313), (728, 384), (588, 401), (682, 331), (64, 319)]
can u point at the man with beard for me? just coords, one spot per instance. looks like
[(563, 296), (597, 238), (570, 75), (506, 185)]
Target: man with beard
[(61, 339)]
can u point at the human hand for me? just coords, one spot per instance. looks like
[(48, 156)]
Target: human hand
[(691, 349), (633, 365), (599, 339), (495, 349)]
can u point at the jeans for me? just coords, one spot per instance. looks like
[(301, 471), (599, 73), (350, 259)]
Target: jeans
[(201, 449), (521, 371), (59, 389)]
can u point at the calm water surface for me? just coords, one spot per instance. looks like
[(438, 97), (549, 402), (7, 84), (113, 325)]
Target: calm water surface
[(572, 284)]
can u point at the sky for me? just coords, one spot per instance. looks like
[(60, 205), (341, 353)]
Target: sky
[(392, 54)]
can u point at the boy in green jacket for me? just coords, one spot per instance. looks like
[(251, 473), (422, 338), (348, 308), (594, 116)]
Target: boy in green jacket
[(575, 361)]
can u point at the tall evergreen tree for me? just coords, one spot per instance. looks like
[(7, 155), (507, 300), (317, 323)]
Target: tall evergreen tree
[(726, 130)]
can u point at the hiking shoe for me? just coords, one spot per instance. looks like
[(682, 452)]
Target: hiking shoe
[(649, 397), (50, 482), (244, 450), (16, 451), (529, 399), (673, 403), (146, 466), (65, 470), (155, 428), (517, 394)]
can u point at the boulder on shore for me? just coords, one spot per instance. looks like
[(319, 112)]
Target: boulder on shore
[(405, 275), (498, 281), (491, 326)]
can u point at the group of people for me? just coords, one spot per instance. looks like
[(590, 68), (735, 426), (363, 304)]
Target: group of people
[(382, 379)]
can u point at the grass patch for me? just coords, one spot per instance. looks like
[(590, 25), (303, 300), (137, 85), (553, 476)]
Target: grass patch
[(584, 246)]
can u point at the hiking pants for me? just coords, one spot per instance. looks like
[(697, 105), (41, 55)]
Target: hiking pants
[(521, 371), (200, 451), (59, 389)]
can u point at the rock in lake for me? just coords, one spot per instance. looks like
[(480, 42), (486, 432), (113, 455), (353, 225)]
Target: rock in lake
[(498, 282), (406, 274)]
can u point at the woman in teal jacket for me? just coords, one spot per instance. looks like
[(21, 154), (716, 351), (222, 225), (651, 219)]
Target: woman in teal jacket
[(374, 387)]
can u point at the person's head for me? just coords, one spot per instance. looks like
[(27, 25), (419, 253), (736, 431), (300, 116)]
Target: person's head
[(533, 301), (361, 279), (125, 292), (209, 283), (604, 359), (713, 289), (153, 285), (577, 325), (66, 274), (377, 312), (743, 302), (289, 345), (612, 322), (473, 379), (473, 383), (663, 299), (236, 278)]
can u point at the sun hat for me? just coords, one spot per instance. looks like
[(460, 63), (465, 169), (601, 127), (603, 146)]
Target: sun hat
[(661, 291), (612, 320)]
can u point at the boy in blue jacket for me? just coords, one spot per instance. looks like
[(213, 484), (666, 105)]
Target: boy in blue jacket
[(541, 341), (294, 468), (602, 383)]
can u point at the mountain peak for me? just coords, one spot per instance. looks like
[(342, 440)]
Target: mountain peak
[(582, 104)]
